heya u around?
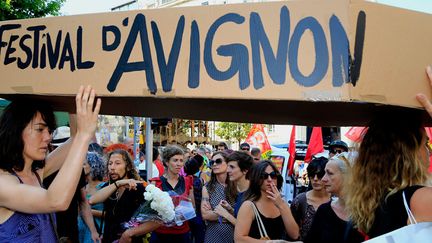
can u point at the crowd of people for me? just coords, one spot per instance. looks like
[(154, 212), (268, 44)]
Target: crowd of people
[(236, 194)]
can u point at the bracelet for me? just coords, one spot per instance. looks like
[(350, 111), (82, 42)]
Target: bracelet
[(115, 184)]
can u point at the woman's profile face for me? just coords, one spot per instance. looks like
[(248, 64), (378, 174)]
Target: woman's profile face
[(234, 171), (217, 167), (37, 137), (333, 178)]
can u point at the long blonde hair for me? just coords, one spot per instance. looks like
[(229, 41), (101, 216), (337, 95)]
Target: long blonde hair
[(389, 160)]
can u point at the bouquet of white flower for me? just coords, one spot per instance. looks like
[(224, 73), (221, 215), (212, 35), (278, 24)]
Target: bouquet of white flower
[(157, 207)]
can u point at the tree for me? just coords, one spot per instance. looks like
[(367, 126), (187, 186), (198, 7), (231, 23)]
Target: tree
[(231, 131), (23, 9)]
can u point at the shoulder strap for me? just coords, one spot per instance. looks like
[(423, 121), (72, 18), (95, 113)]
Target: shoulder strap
[(39, 179), (261, 228), (408, 210)]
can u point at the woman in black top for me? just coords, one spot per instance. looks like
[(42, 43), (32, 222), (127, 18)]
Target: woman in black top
[(394, 157), (330, 221), (263, 192)]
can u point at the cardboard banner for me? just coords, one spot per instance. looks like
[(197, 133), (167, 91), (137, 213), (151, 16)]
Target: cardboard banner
[(258, 138), (296, 52)]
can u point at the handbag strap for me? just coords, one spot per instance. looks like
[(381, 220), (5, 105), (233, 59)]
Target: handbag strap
[(261, 228), (408, 210)]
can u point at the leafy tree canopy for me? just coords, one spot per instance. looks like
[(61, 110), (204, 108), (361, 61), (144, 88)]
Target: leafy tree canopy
[(231, 131), (23, 9)]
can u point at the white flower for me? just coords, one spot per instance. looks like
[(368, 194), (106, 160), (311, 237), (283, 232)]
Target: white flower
[(160, 202)]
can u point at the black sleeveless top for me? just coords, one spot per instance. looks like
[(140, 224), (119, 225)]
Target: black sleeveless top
[(274, 226), (391, 215)]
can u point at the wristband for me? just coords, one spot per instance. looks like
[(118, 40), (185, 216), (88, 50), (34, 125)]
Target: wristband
[(115, 184)]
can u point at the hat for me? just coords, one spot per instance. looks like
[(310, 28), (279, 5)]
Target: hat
[(246, 146), (338, 143), (60, 135), (193, 164)]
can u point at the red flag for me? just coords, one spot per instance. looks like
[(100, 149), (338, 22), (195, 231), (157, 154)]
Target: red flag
[(291, 151), (356, 133), (315, 144), (258, 138)]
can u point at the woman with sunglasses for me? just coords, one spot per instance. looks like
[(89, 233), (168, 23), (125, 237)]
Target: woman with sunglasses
[(305, 204), (263, 194), (330, 220), (218, 193)]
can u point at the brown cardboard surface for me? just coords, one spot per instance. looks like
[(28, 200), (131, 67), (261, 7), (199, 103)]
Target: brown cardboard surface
[(397, 48), (301, 88)]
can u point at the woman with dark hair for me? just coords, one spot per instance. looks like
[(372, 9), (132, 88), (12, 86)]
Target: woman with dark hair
[(25, 134), (239, 165), (178, 187), (265, 204), (95, 172), (122, 195), (218, 198), (305, 204)]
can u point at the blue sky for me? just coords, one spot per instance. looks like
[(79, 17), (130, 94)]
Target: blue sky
[(72, 7)]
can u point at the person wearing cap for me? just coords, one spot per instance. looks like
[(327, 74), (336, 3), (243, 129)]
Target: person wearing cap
[(26, 127), (245, 147), (337, 147)]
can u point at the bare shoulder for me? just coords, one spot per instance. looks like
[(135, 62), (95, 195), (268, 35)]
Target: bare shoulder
[(246, 206), (420, 204)]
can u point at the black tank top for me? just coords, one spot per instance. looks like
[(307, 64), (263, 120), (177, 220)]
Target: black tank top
[(274, 226), (391, 215)]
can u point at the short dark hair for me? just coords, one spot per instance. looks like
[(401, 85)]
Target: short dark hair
[(243, 159), (223, 144), (255, 151), (253, 193), (317, 165), (13, 121), (170, 151)]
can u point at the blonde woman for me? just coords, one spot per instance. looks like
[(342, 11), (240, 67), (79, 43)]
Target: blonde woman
[(393, 160), (331, 219)]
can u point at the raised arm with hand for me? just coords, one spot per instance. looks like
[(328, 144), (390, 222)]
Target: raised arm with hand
[(31, 199)]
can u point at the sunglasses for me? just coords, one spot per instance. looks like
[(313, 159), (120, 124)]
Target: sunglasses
[(217, 161), (272, 175), (319, 174), (245, 149), (337, 151)]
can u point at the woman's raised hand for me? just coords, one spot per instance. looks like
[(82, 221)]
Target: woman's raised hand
[(275, 196), (424, 101), (87, 115)]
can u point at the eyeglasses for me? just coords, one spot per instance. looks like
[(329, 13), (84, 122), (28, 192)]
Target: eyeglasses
[(319, 174), (217, 161), (272, 175)]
